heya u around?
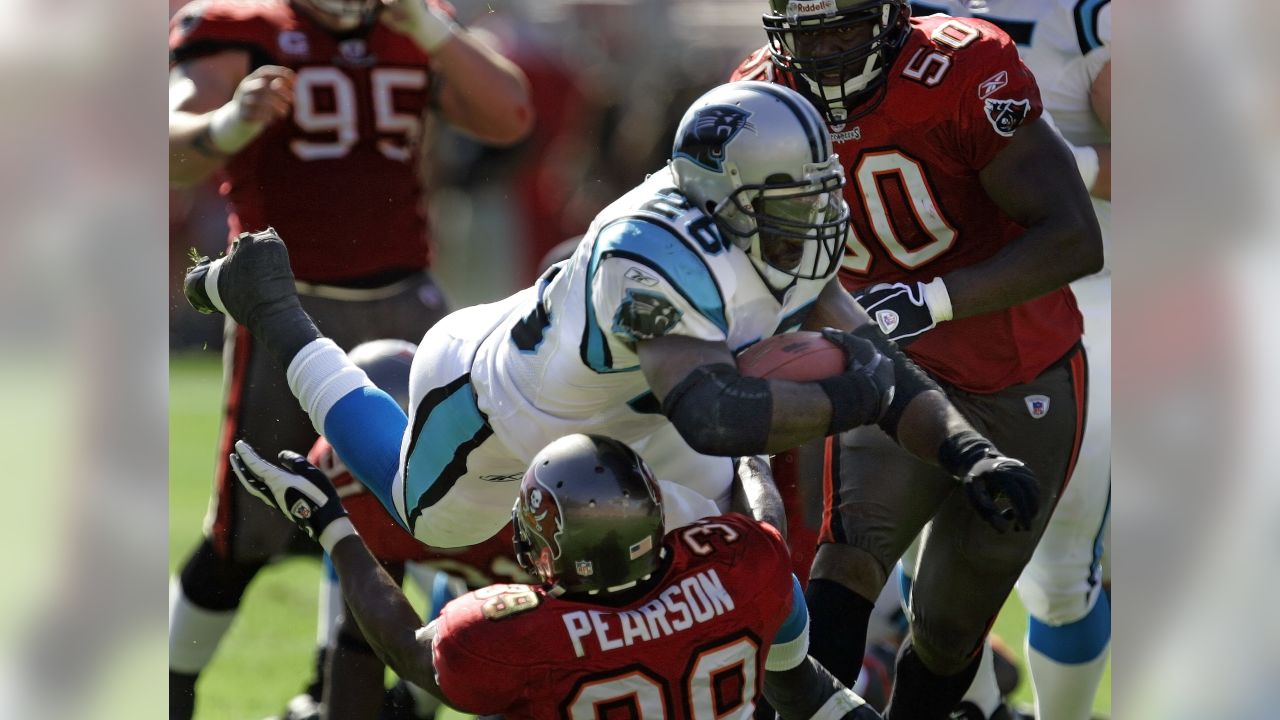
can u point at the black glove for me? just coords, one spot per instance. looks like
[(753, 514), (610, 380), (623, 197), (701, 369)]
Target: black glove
[(300, 490), (904, 311), (863, 392), (1001, 489)]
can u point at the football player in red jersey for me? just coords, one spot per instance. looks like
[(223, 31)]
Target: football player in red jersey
[(695, 623), (311, 113), (968, 221)]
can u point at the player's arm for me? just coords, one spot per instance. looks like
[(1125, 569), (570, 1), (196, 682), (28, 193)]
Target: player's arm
[(480, 91), (389, 622), (303, 494), (1100, 99), (1033, 180), (217, 107), (718, 411), (924, 422), (756, 495)]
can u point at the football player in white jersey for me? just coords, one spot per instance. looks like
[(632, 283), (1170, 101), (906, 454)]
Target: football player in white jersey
[(1067, 45), (737, 239)]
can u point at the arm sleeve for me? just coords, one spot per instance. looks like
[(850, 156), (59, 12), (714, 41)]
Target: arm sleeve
[(791, 642), (647, 282), (1006, 96)]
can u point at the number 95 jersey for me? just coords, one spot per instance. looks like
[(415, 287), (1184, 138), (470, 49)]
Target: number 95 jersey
[(339, 176), (691, 647)]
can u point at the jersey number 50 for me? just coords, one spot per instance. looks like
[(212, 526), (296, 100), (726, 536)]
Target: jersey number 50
[(868, 177), (342, 120), (720, 684)]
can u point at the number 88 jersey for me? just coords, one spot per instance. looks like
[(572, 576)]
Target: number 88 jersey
[(341, 170), (955, 96)]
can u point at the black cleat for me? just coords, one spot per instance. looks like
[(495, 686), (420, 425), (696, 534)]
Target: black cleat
[(253, 276)]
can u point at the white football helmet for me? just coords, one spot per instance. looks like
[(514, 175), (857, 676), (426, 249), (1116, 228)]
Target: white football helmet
[(342, 15), (757, 158)]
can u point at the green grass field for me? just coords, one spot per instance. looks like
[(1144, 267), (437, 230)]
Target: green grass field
[(266, 657)]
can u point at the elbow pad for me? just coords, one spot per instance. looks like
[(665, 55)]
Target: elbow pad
[(909, 379), (719, 412)]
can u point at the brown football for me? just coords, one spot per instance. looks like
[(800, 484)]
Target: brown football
[(800, 356)]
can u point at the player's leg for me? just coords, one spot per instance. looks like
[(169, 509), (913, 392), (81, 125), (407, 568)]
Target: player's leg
[(1069, 617), (880, 499), (241, 534), (967, 569)]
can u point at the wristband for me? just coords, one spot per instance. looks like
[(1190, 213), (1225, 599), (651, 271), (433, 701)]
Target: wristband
[(938, 300), (435, 29), (1087, 163), (959, 452), (228, 132), (335, 531)]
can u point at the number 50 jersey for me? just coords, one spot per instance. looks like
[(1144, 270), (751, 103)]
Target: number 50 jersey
[(693, 646), (339, 176)]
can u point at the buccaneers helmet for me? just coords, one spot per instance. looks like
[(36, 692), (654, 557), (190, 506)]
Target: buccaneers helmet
[(838, 51), (757, 158), (589, 516), (387, 363)]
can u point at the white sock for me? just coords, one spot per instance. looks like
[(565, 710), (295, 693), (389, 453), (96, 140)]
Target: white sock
[(1067, 666), (330, 605), (194, 632), (984, 692)]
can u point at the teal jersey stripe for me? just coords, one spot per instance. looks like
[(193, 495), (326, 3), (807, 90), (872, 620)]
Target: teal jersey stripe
[(661, 249)]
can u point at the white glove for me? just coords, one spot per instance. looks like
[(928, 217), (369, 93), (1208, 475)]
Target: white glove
[(302, 492)]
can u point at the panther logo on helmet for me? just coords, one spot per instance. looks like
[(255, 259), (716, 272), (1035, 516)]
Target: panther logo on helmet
[(712, 128)]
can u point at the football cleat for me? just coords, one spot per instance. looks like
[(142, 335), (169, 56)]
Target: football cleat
[(254, 275)]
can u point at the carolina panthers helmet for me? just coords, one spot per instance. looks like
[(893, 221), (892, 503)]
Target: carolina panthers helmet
[(387, 363), (757, 157), (589, 516), (342, 15), (839, 50)]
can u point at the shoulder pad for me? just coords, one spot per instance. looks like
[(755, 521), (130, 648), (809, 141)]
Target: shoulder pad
[(503, 601)]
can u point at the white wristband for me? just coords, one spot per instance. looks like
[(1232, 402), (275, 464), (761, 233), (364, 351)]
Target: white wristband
[(938, 300), (435, 30), (1087, 163), (228, 132), (336, 530)]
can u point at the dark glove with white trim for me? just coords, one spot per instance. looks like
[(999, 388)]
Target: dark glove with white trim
[(299, 489), (863, 392), (904, 311), (1001, 489)]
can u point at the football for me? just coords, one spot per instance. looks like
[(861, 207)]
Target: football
[(801, 356)]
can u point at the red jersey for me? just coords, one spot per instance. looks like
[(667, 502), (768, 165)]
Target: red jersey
[(694, 646), (479, 565), (338, 178), (954, 98)]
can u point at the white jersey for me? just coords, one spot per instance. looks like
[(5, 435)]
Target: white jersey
[(560, 358)]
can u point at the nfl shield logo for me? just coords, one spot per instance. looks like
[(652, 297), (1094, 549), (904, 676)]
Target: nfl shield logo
[(583, 567), (1037, 405), (887, 320)]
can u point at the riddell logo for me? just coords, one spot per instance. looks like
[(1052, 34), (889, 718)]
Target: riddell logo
[(796, 8)]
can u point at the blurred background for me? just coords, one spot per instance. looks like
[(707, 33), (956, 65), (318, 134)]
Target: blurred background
[(88, 318)]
